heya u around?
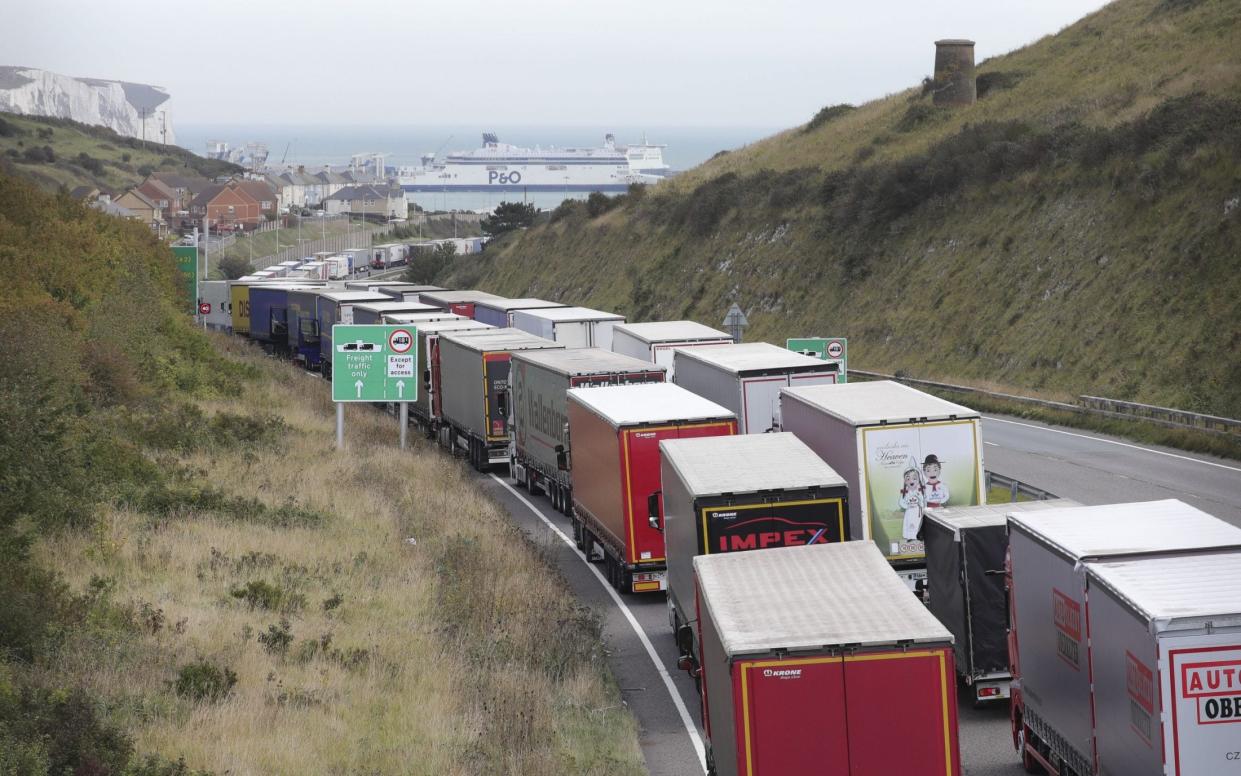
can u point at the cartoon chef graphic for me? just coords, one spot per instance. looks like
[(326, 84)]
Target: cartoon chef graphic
[(936, 490), (912, 501)]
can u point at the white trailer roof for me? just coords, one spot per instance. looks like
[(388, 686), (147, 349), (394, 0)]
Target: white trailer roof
[(811, 597), (561, 314), (628, 405), (589, 361), (391, 306), (984, 515), (672, 331), (1181, 591), (752, 356), (713, 466), (876, 403), (453, 297), (1146, 527), (460, 323), (525, 303), (508, 339), (428, 317), (355, 296)]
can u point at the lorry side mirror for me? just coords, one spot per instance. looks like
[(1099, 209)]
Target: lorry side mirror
[(562, 458), (502, 403), (652, 510), (426, 379)]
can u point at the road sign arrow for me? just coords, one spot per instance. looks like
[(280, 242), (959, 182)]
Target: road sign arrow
[(359, 384), (400, 389)]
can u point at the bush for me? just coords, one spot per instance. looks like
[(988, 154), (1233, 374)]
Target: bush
[(9, 129), (917, 115), (830, 113), (598, 203), (259, 594), (90, 163), (39, 155), (996, 81), (233, 267), (277, 639), (202, 681)]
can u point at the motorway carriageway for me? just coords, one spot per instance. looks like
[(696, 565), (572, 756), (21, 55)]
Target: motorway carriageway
[(1089, 468)]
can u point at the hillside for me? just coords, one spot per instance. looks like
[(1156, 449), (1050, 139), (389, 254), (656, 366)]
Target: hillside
[(192, 578), (85, 155), (1074, 231)]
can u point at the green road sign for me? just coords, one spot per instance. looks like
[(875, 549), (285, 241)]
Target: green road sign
[(187, 265), (831, 349), (374, 363)]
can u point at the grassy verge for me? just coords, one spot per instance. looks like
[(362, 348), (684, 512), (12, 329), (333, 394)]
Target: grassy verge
[(375, 612), (265, 242), (998, 495)]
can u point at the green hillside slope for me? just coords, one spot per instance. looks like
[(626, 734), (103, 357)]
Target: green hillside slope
[(60, 152), (1077, 230)]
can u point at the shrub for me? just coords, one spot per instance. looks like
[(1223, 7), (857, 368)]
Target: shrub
[(598, 203), (917, 115), (233, 267), (202, 681), (277, 639), (154, 765), (90, 163), (995, 81), (830, 113), (9, 129), (125, 157), (259, 594), (566, 209)]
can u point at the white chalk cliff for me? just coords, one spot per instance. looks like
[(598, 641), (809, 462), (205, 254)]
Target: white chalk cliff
[(133, 110)]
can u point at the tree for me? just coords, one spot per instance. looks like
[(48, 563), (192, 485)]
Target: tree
[(233, 267), (428, 264), (507, 217)]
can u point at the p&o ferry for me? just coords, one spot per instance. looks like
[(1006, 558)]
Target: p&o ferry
[(500, 166)]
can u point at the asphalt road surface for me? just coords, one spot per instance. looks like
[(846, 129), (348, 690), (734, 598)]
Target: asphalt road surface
[(1089, 468)]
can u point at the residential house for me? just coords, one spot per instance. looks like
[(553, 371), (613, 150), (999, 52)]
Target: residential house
[(331, 182), (141, 208), (163, 195), (368, 200), (85, 193), (104, 204), (227, 204), (263, 193), (312, 192), (186, 186)]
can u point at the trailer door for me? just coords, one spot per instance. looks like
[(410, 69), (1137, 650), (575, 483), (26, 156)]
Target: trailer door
[(1201, 688), (901, 710), (571, 334), (792, 717), (760, 402)]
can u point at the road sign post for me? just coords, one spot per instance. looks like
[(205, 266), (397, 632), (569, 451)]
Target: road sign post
[(833, 350), (373, 364)]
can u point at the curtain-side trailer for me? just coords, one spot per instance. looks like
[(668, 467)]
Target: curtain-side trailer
[(901, 451), (499, 312), (656, 340), (1052, 708), (573, 327), (474, 396), (1165, 658), (331, 308), (613, 456), (817, 660), (747, 379), (965, 551), (459, 302), (737, 494), (539, 379), (375, 312)]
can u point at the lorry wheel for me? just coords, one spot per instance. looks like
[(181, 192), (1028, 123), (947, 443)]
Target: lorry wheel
[(577, 535)]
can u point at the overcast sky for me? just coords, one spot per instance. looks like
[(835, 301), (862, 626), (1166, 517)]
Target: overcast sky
[(545, 62)]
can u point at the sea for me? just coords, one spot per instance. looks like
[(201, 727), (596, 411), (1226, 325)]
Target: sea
[(316, 146)]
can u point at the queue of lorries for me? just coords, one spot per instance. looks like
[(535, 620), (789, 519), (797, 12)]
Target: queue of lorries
[(832, 570)]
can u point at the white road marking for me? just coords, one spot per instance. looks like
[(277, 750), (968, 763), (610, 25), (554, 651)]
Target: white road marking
[(990, 444), (695, 739), (1114, 442)]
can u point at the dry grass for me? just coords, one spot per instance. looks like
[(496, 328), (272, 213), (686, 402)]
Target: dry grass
[(462, 653)]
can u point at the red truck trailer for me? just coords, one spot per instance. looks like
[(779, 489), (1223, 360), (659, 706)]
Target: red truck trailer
[(613, 456), (459, 302), (819, 660), (1050, 640), (539, 379)]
